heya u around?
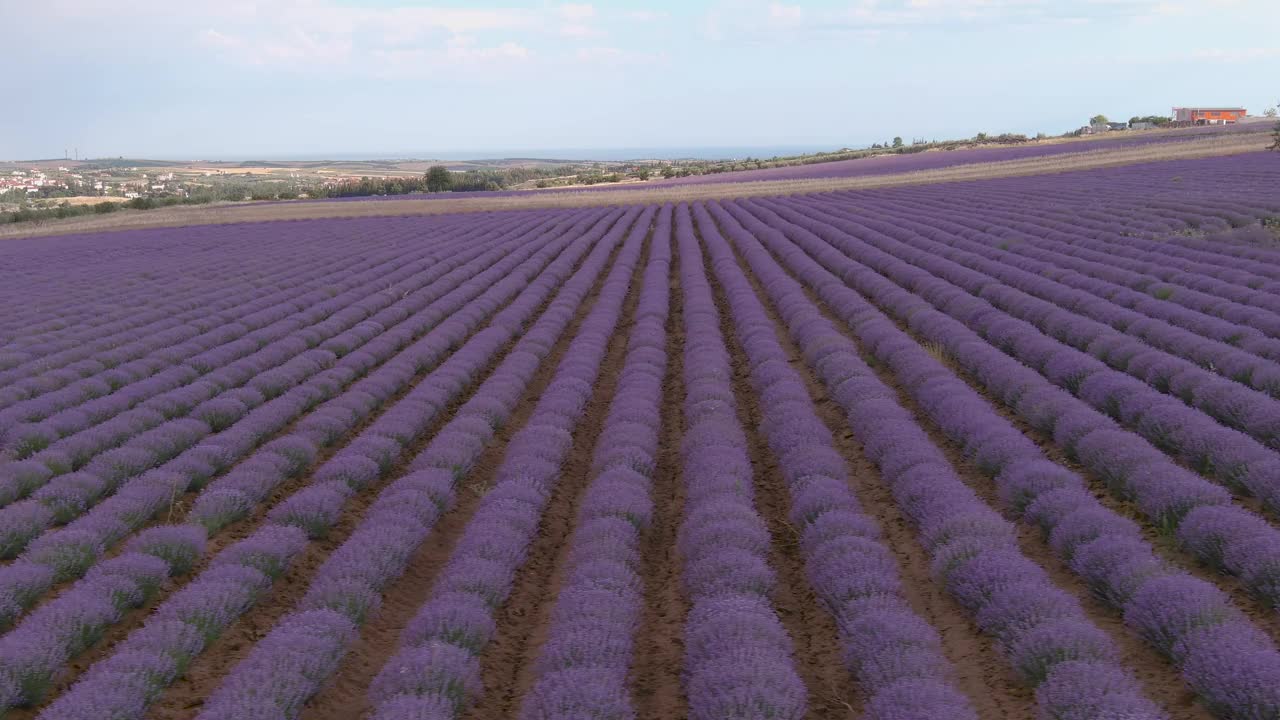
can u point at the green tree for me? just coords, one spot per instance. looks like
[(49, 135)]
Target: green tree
[(643, 173), (1275, 145), (438, 178), (897, 141), (980, 137), (1097, 119), (1269, 112)]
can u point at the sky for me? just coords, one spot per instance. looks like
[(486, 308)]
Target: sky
[(228, 79)]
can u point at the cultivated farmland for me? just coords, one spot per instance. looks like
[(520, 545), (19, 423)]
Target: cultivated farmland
[(993, 449)]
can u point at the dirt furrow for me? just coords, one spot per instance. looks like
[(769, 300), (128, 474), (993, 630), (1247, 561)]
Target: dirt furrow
[(208, 669), (1166, 547), (818, 656), (1160, 679), (524, 620), (346, 696), (981, 673), (655, 672)]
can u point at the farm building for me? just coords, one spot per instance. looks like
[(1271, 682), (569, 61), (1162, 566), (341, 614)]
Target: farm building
[(1208, 116)]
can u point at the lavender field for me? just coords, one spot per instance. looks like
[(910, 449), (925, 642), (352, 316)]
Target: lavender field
[(996, 449)]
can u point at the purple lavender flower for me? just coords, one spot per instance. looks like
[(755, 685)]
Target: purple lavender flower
[(1166, 610), (1036, 652), (919, 699), (434, 669), (179, 546), (585, 692), (1083, 690)]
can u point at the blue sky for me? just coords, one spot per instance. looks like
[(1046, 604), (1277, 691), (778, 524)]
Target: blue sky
[(249, 78)]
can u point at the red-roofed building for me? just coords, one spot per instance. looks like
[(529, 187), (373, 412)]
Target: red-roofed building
[(1208, 116)]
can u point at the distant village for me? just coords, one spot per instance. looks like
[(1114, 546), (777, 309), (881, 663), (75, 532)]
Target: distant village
[(64, 181), (1180, 117)]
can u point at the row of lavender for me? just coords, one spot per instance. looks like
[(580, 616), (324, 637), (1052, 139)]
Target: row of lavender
[(142, 422), (66, 553), (128, 279), (1052, 644), (347, 586), (1190, 620), (442, 326), (895, 655), (1241, 543), (1027, 326), (125, 294)]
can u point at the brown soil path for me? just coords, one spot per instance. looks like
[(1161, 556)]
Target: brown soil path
[(189, 690), (655, 673), (524, 620), (346, 696), (982, 674), (235, 644), (817, 653), (1159, 678)]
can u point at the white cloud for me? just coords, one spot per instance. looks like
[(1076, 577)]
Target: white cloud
[(645, 15), (612, 56), (1235, 55), (747, 18), (296, 34), (577, 21), (786, 13)]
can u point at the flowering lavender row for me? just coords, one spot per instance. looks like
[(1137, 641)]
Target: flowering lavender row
[(217, 311), (347, 585), (75, 342), (1210, 342), (1010, 216), (146, 277), (68, 553), (1208, 195), (80, 259), (125, 346), (1222, 399), (362, 458), (895, 655), (1229, 456), (172, 361), (1071, 229), (1103, 548), (227, 499), (1133, 468), (437, 665), (334, 330), (582, 666), (1235, 294), (66, 497), (179, 545), (1197, 513), (1136, 293), (248, 319), (738, 661), (1251, 305), (216, 387), (974, 552)]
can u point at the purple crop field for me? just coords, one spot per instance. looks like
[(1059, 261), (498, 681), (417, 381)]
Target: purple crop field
[(1005, 448)]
